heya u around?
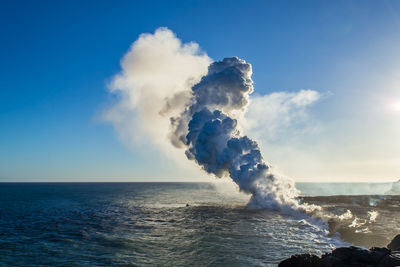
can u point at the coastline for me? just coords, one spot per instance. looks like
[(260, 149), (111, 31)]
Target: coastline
[(350, 256)]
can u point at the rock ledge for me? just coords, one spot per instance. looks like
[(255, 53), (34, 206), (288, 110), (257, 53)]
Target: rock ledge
[(349, 256)]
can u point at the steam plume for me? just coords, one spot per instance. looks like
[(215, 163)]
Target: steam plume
[(212, 139), (170, 93), (157, 74), (395, 190)]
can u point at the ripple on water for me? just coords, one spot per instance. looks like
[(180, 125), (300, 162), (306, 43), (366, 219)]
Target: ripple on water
[(122, 224)]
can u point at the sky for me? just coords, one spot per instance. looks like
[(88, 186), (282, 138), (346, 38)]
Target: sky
[(58, 59)]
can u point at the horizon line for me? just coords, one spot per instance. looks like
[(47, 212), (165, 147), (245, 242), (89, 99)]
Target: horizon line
[(110, 182)]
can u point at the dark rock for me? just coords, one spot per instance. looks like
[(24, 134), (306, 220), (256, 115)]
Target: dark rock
[(379, 253), (395, 244), (330, 261), (353, 254), (390, 261), (350, 256), (301, 260)]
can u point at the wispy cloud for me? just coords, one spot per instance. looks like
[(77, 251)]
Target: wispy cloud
[(272, 115)]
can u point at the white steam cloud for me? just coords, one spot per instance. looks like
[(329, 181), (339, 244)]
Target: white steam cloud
[(270, 115), (157, 74), (395, 190), (173, 95)]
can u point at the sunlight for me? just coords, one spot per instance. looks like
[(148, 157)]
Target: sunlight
[(395, 105)]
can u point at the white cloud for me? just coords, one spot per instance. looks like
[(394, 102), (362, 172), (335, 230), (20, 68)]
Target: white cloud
[(272, 115), (156, 69)]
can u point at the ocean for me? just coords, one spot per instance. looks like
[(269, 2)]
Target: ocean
[(175, 224)]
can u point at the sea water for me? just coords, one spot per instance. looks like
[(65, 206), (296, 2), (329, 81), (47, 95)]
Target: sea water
[(170, 224)]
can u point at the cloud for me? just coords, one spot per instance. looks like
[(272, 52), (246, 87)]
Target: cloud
[(272, 115), (154, 84)]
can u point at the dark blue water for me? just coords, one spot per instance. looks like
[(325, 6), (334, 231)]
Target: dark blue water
[(144, 224)]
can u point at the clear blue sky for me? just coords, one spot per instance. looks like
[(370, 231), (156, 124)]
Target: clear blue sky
[(57, 56)]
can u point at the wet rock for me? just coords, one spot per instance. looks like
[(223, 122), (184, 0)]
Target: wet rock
[(353, 254), (395, 244), (301, 260), (379, 253), (350, 256), (330, 261)]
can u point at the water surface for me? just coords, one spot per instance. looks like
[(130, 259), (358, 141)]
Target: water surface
[(143, 224)]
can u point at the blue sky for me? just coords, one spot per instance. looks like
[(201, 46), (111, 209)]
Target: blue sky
[(57, 57)]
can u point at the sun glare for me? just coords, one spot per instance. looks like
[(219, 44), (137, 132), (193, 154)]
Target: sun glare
[(395, 105)]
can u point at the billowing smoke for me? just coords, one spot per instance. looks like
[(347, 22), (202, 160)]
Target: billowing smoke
[(170, 93), (208, 130)]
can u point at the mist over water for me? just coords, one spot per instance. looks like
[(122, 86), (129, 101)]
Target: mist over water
[(364, 214), (368, 221), (329, 189)]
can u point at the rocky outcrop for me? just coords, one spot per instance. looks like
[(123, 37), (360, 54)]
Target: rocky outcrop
[(395, 244), (350, 256)]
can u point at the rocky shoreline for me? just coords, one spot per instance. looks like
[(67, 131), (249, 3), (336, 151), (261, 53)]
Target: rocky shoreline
[(350, 256)]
